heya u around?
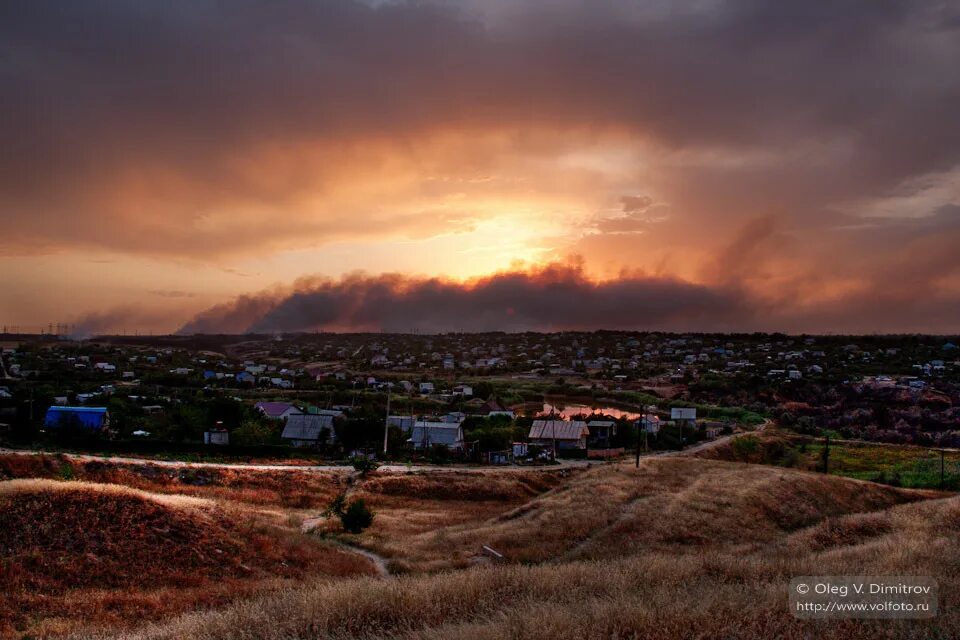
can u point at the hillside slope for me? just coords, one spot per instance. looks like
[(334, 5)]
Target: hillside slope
[(80, 552), (681, 548), (675, 504)]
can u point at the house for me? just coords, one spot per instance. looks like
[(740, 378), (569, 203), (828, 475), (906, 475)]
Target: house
[(463, 390), (520, 449), (454, 417), (246, 376), (567, 434), (105, 367), (426, 388), (93, 419), (277, 410), (308, 429), (217, 435), (650, 423), (493, 408), (427, 434), (601, 431)]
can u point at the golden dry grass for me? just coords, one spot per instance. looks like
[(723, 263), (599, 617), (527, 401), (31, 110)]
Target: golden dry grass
[(675, 504), (75, 554), (644, 594), (410, 506), (298, 489), (680, 548)]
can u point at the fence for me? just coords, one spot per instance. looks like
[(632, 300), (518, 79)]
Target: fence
[(898, 465), (605, 453)]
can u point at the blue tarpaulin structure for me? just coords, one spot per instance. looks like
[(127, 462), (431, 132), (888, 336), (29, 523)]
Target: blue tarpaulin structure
[(93, 418)]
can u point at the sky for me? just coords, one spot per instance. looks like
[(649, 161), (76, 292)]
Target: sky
[(700, 165)]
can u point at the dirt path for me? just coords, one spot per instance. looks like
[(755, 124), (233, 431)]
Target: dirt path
[(379, 562)]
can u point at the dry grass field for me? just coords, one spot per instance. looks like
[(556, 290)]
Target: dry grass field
[(679, 548), (76, 552)]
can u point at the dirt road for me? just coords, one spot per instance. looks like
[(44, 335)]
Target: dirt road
[(340, 468)]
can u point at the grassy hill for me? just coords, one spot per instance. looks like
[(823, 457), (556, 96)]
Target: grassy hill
[(681, 548), (81, 553)]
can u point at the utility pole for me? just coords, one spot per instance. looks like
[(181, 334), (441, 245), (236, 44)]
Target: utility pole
[(386, 423), (553, 432), (640, 427)]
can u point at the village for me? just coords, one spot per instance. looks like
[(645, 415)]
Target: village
[(479, 398)]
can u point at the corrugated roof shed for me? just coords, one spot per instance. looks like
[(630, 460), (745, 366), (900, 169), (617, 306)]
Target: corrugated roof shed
[(307, 427), (558, 429)]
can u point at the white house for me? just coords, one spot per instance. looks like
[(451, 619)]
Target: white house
[(428, 434), (277, 410)]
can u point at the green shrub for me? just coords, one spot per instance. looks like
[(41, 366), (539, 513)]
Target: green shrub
[(745, 446), (354, 517), (363, 465), (357, 517)]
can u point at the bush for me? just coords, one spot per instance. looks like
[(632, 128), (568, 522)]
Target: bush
[(354, 517), (252, 433), (745, 446), (357, 517), (363, 465)]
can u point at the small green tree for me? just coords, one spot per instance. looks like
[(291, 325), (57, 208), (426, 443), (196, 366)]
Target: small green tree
[(252, 433), (363, 465), (354, 517), (357, 517)]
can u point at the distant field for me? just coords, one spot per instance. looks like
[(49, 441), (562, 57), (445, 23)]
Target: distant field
[(904, 466), (897, 465)]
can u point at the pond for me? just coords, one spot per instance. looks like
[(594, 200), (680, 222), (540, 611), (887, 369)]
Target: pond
[(568, 410)]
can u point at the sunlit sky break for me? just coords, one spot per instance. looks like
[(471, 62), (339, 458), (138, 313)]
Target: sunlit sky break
[(299, 165)]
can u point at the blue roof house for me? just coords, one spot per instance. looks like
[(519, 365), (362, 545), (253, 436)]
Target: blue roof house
[(95, 419)]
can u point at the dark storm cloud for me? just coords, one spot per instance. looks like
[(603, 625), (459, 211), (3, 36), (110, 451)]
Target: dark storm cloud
[(109, 102), (553, 298)]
